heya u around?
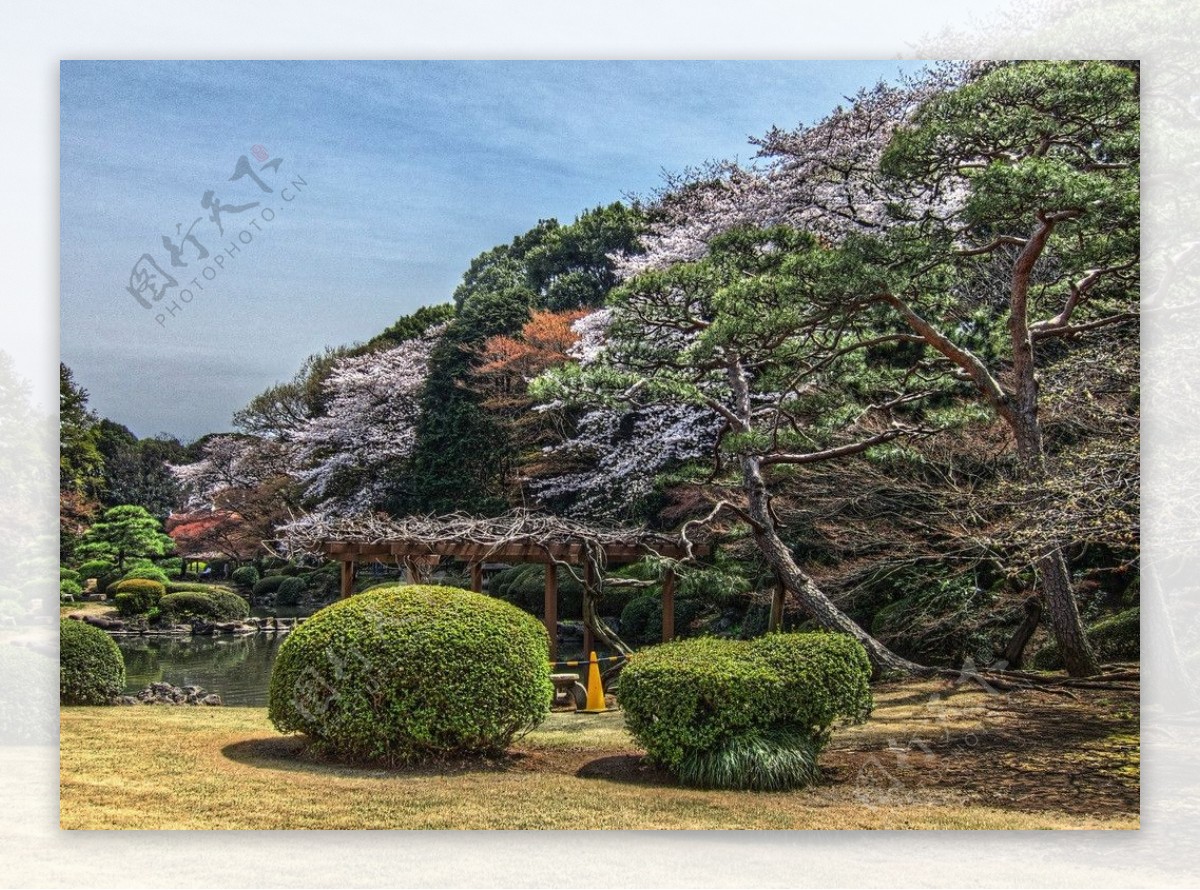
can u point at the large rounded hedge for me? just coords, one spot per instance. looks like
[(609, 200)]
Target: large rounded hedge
[(136, 596), (744, 713), (214, 604), (406, 673), (91, 670), (245, 576), (150, 573)]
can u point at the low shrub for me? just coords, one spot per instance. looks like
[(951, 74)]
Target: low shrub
[(267, 585), (410, 672), (91, 670), (136, 596), (65, 574), (290, 592), (69, 588), (149, 573), (1115, 638), (245, 576), (744, 713), (230, 606), (217, 604), (194, 587), (96, 568)]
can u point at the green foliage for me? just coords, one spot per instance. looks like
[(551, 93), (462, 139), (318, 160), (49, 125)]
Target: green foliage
[(217, 604), (91, 670), (408, 327), (136, 471), (151, 573), (65, 574), (641, 620), (525, 586), (245, 576), (267, 585), (69, 588), (406, 673), (1115, 638), (290, 591), (96, 568), (721, 701), (136, 596), (194, 586), (124, 533), (464, 455), (80, 465)]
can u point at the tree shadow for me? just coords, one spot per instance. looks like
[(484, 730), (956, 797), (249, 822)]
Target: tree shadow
[(295, 753), (628, 769)]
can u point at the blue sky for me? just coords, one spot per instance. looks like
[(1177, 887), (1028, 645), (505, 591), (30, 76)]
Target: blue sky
[(409, 170)]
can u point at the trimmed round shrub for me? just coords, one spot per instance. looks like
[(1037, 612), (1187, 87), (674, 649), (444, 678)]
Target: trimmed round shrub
[(149, 573), (96, 568), (751, 714), (290, 592), (69, 588), (65, 574), (230, 606), (217, 604), (137, 596), (267, 585), (1115, 638), (194, 587), (245, 576), (412, 672), (90, 668)]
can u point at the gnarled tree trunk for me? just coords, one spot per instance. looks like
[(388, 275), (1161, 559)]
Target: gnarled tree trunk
[(814, 602)]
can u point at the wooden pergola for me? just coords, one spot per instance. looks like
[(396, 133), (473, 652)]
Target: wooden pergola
[(420, 555)]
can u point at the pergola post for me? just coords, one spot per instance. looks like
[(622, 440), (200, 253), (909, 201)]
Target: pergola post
[(552, 608), (348, 572), (777, 595), (477, 577), (589, 591), (668, 603)]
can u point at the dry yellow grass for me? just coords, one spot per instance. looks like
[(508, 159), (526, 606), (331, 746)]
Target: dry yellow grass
[(151, 767)]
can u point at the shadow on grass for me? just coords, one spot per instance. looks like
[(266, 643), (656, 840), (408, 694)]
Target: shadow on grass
[(295, 753), (628, 769)]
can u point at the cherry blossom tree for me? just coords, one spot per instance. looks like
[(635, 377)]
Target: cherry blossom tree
[(343, 458)]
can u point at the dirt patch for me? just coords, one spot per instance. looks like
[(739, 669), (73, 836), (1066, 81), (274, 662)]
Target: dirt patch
[(1026, 751)]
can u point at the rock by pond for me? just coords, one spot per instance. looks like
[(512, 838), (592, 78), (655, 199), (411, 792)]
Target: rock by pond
[(166, 694)]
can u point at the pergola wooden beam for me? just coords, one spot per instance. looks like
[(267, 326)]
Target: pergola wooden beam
[(519, 551), (414, 555)]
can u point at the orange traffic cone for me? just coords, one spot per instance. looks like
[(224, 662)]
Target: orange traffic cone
[(595, 689)]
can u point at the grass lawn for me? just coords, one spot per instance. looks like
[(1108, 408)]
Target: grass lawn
[(933, 755)]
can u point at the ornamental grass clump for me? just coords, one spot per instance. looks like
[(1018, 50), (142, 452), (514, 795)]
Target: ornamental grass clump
[(401, 674), (745, 714)]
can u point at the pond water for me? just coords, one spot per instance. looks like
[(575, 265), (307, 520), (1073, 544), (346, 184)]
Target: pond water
[(236, 668)]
